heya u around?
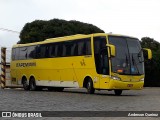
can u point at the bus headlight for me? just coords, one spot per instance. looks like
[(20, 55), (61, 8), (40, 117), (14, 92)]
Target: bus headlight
[(115, 78), (142, 79)]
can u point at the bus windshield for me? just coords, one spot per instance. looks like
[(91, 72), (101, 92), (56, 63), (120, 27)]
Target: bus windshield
[(129, 56)]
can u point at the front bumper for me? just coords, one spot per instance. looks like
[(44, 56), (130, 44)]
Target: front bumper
[(117, 84)]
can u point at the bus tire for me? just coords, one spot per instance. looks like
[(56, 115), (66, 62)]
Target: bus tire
[(25, 83), (118, 92), (89, 86), (32, 84)]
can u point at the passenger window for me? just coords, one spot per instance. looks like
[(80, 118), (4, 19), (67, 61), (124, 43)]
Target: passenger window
[(31, 52), (81, 48), (43, 51), (13, 53), (88, 47), (52, 50), (84, 47), (23, 53), (67, 48), (59, 50), (74, 49)]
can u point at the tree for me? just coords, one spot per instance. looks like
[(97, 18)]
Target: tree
[(40, 30), (152, 67)]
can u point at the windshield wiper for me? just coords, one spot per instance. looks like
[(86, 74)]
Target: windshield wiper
[(135, 64)]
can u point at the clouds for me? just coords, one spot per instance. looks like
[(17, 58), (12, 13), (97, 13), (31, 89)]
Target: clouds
[(137, 18)]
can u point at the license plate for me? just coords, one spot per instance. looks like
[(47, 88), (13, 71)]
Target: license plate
[(130, 85)]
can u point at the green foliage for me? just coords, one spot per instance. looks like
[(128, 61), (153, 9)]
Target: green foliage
[(150, 43), (152, 67), (40, 30)]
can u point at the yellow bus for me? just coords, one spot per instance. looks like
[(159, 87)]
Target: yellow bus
[(96, 62)]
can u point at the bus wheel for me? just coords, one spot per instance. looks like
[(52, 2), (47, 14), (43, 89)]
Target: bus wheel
[(32, 84), (90, 89), (118, 92), (25, 83)]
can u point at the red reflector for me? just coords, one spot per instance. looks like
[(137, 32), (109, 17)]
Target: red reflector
[(120, 71)]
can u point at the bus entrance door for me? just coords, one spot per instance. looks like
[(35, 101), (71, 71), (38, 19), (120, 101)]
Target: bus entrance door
[(104, 69)]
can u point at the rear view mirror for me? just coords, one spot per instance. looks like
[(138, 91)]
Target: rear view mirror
[(147, 53), (112, 50)]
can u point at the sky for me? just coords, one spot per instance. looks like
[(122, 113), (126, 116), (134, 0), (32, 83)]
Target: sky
[(138, 18)]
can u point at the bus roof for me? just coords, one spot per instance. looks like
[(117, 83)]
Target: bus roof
[(66, 38)]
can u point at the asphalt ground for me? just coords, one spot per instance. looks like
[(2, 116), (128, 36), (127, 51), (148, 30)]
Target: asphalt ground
[(147, 99)]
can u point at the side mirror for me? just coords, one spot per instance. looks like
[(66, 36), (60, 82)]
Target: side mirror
[(112, 50), (147, 53)]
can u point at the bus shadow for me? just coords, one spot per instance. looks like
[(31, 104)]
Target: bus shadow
[(78, 91), (98, 93)]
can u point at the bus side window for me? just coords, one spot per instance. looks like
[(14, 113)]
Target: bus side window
[(42, 51), (88, 47), (31, 52), (67, 49), (81, 48), (84, 47), (52, 50), (64, 52), (59, 50), (23, 53), (38, 51), (74, 49), (47, 51), (13, 53), (17, 54)]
